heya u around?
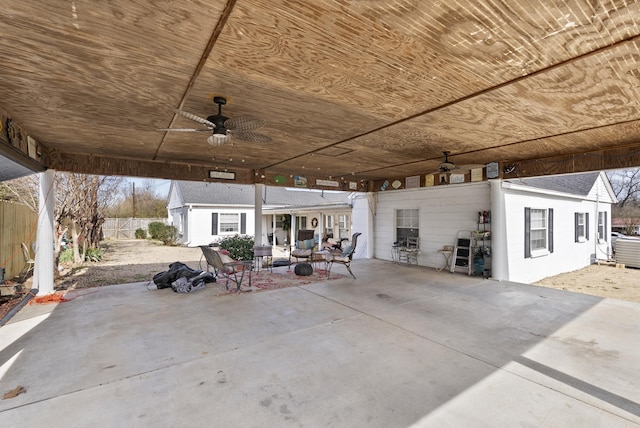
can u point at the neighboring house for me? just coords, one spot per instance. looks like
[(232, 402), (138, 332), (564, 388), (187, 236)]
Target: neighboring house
[(539, 226), (206, 212), (628, 226)]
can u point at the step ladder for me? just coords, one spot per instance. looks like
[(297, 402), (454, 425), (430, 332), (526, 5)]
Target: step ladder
[(462, 252)]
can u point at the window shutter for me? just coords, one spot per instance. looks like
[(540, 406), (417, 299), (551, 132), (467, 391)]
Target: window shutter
[(576, 217), (586, 226), (605, 226), (550, 246), (243, 223), (527, 232), (214, 223)]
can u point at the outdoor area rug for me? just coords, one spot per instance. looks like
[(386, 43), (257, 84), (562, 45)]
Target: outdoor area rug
[(280, 278)]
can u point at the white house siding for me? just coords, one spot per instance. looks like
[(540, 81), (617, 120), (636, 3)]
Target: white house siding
[(567, 254), (362, 221), (443, 210), (199, 230), (177, 218)]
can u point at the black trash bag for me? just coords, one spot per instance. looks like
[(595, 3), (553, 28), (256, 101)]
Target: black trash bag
[(176, 270)]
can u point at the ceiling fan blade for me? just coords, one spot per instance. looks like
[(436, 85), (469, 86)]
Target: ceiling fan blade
[(244, 123), (193, 117), (250, 136), (184, 129)]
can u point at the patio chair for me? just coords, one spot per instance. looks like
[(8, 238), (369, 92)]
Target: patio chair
[(28, 261), (304, 245), (409, 253), (345, 257), (225, 267)]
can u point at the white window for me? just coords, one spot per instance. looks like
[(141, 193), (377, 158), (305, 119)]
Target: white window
[(229, 223), (538, 233), (407, 224), (602, 226), (343, 226), (581, 221), (328, 226)]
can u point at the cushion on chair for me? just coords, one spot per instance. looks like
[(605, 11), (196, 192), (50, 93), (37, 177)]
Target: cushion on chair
[(347, 251), (301, 253)]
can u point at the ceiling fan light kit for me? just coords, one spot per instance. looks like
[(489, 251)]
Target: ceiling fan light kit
[(223, 128), (218, 139)]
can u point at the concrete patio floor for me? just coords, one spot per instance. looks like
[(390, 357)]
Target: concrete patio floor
[(400, 346)]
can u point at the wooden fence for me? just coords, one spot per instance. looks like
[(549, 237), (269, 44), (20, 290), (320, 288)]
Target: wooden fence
[(17, 224), (125, 228)]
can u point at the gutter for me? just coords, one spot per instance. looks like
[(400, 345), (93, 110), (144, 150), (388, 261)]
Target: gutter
[(19, 306)]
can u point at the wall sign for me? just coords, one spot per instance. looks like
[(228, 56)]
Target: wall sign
[(456, 178), (492, 170)]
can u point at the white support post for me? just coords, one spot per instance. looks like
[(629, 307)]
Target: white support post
[(258, 238), (43, 268), (499, 254)]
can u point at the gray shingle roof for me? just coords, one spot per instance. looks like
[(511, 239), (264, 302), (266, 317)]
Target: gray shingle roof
[(577, 184), (194, 192)]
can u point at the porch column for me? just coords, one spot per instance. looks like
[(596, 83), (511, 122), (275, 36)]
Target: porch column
[(43, 268), (499, 250), (257, 221)]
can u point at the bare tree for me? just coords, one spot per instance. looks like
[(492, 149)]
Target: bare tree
[(626, 186), (80, 204)]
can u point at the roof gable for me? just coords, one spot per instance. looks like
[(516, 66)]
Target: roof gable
[(576, 184)]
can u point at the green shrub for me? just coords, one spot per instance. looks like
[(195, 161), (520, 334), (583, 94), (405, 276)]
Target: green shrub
[(168, 235), (156, 228), (66, 256), (93, 254), (240, 247), (141, 234)]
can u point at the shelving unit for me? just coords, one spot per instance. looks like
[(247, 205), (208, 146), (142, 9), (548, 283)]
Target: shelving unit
[(482, 244)]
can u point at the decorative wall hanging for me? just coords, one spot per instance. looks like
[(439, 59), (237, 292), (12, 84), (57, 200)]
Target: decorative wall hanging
[(476, 174), (412, 182), (279, 179), (327, 183), (456, 178), (429, 180), (396, 184), (493, 170), (314, 222), (300, 181), (384, 186)]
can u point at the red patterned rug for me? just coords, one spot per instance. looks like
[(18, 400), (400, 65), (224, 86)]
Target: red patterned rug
[(280, 278)]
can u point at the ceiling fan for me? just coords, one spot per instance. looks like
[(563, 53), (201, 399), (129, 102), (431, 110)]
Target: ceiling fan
[(222, 128), (448, 166)]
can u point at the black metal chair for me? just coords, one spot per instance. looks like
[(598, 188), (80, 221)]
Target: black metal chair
[(345, 256), (225, 267), (303, 246)]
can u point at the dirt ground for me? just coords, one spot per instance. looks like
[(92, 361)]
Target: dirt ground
[(599, 280), (138, 260)]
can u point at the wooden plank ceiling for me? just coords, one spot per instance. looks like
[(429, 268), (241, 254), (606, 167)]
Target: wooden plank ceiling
[(364, 89)]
